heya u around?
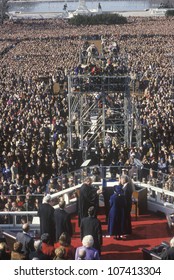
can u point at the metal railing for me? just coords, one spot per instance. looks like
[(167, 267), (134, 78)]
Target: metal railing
[(159, 199), (136, 172)]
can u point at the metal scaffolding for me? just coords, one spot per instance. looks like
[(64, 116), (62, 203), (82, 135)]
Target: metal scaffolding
[(99, 105)]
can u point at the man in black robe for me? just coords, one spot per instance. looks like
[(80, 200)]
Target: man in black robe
[(46, 215), (88, 196)]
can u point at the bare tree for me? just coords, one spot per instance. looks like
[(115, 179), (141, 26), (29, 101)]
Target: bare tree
[(3, 10)]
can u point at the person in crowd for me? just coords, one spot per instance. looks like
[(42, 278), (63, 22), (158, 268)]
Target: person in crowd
[(60, 253), (4, 254), (168, 254), (91, 252), (16, 253), (62, 220), (38, 254), (34, 120), (116, 219), (81, 254), (6, 172), (92, 226), (26, 240), (65, 242), (46, 246), (46, 215), (88, 197)]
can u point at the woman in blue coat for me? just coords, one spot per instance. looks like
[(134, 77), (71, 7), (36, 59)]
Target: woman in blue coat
[(117, 213)]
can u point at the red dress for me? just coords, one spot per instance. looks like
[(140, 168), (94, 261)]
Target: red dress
[(48, 250)]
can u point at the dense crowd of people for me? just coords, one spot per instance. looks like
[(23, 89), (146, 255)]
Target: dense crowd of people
[(36, 55)]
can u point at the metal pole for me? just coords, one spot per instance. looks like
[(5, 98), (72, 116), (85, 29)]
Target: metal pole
[(103, 117), (81, 121), (69, 108)]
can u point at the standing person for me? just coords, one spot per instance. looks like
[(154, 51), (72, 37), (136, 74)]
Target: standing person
[(92, 226), (128, 191), (26, 240), (62, 220), (46, 215), (116, 219), (88, 196)]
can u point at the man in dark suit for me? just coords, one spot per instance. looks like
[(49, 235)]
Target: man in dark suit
[(92, 226), (46, 214), (62, 220), (128, 191), (88, 196), (26, 240), (168, 254)]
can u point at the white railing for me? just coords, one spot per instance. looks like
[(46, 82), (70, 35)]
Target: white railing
[(158, 199), (155, 202)]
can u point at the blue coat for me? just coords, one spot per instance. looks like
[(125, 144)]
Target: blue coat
[(117, 212)]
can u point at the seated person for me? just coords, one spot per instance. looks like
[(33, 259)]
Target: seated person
[(4, 255), (90, 252), (46, 248), (38, 254), (82, 254), (17, 253), (60, 253), (65, 242), (168, 254)]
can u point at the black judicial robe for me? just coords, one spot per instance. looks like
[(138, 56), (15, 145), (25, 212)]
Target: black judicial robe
[(47, 225), (87, 197)]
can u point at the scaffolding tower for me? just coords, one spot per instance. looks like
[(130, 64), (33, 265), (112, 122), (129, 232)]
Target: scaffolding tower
[(99, 106)]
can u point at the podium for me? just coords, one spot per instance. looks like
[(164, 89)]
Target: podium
[(140, 198)]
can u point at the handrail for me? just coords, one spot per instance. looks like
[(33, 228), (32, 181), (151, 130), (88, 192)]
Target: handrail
[(158, 199), (78, 175), (155, 202), (69, 174)]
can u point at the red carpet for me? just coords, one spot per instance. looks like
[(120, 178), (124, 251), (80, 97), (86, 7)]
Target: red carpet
[(148, 231)]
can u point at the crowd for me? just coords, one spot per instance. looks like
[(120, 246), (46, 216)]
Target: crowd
[(36, 55), (56, 230), (54, 239)]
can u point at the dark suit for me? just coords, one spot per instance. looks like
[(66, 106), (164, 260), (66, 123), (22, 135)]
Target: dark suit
[(27, 243), (62, 222), (168, 254), (92, 226), (128, 206), (46, 214)]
